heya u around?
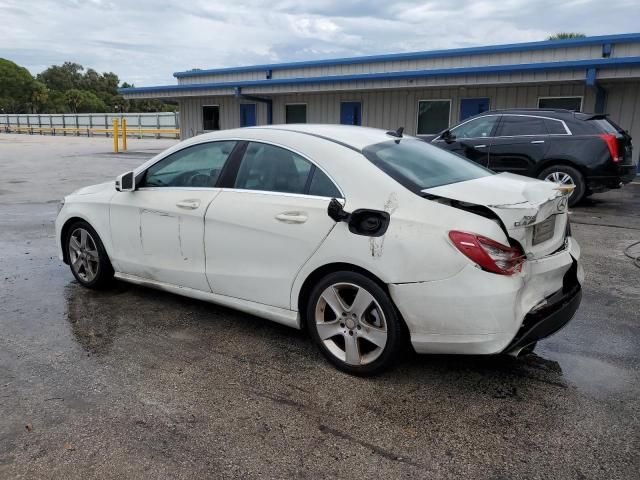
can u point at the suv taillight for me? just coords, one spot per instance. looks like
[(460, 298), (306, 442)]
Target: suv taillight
[(612, 143), (488, 254)]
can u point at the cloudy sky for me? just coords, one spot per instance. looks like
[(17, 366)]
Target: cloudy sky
[(145, 41)]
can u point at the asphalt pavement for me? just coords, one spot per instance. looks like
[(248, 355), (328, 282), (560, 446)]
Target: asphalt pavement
[(136, 383)]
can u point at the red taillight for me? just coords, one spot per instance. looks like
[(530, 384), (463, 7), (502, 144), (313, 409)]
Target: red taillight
[(612, 143), (488, 254)]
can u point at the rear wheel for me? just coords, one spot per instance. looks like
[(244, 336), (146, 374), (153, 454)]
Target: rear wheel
[(566, 175), (88, 259), (354, 323)]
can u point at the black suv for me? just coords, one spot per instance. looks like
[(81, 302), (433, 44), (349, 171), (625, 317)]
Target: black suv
[(588, 151)]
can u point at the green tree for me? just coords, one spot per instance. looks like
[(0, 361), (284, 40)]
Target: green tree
[(62, 77), (566, 36), (57, 103), (119, 104), (65, 88), (15, 87), (39, 96), (83, 101)]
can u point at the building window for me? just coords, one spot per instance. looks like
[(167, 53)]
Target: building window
[(296, 113), (211, 117), (433, 116), (568, 103)]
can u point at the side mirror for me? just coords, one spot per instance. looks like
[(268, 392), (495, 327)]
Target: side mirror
[(447, 136), (126, 182)]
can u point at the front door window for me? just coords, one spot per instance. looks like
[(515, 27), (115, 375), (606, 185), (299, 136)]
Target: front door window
[(476, 128)]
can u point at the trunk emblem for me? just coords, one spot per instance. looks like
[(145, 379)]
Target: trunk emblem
[(563, 204), (526, 220)]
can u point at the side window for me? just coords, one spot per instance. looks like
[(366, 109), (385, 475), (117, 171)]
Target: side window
[(554, 127), (433, 116), (296, 113), (479, 127), (513, 126), (195, 166), (274, 169), (322, 186)]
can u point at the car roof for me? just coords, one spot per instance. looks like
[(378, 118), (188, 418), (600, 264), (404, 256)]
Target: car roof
[(351, 136)]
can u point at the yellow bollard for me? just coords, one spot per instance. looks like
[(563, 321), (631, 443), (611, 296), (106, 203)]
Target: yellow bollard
[(115, 135), (124, 134)]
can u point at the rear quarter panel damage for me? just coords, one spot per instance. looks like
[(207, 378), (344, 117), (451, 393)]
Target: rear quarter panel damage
[(415, 248)]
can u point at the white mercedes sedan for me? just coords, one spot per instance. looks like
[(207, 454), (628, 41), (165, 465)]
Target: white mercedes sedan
[(373, 241)]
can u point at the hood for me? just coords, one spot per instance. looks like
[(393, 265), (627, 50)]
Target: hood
[(100, 187), (520, 203)]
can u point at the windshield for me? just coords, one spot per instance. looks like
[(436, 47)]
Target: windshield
[(418, 165)]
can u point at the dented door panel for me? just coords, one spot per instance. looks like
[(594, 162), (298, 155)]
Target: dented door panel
[(158, 234)]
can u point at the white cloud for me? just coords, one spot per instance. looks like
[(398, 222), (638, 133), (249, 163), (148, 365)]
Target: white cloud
[(145, 41)]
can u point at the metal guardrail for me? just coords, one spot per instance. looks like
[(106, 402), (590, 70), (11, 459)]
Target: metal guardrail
[(165, 124)]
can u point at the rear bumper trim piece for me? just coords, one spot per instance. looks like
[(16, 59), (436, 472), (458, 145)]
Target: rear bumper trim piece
[(547, 320)]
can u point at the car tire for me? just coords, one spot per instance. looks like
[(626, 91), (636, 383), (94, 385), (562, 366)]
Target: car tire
[(354, 323), (88, 259), (560, 173)]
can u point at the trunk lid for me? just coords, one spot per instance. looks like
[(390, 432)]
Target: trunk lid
[(535, 213)]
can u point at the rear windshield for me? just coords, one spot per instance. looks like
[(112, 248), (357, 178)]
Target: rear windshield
[(418, 165)]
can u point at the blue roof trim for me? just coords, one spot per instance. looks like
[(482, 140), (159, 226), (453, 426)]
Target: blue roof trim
[(524, 67), (512, 47)]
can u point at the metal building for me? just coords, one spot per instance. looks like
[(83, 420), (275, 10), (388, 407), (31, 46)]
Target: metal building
[(423, 91)]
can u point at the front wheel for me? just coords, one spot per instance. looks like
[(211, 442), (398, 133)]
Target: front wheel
[(88, 259), (566, 175), (354, 323)]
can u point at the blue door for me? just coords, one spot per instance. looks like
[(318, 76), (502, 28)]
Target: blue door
[(473, 106), (351, 113), (247, 114)]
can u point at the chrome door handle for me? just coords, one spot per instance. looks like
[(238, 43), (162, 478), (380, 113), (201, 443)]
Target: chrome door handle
[(537, 141), (188, 204), (479, 146), (292, 217)]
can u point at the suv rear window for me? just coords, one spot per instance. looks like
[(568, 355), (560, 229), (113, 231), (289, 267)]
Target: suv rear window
[(418, 165), (606, 126)]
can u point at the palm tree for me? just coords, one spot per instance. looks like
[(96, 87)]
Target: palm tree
[(566, 36), (39, 96)]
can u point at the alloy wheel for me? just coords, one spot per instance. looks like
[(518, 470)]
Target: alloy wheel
[(351, 323), (560, 177), (83, 254)]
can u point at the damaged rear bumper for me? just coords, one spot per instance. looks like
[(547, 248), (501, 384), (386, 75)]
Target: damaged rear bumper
[(558, 310), (475, 312)]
